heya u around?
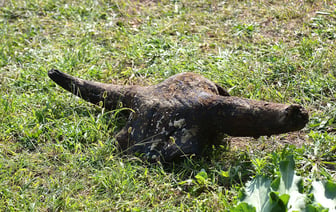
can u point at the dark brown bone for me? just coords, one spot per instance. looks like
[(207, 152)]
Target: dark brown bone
[(184, 113)]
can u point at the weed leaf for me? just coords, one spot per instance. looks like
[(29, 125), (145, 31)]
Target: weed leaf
[(292, 185), (325, 194), (278, 203), (256, 193), (244, 207)]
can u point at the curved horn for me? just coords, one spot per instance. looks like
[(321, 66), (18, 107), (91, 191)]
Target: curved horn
[(94, 92), (244, 117)]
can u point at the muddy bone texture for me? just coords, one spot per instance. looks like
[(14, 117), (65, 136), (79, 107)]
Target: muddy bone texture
[(183, 114)]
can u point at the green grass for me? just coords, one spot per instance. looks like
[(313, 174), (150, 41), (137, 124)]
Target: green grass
[(57, 152)]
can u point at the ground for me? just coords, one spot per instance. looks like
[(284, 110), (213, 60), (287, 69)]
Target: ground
[(57, 152)]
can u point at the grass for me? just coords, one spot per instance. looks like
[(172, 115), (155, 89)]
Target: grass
[(57, 152)]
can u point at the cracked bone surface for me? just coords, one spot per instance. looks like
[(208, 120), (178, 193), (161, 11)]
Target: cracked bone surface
[(183, 114)]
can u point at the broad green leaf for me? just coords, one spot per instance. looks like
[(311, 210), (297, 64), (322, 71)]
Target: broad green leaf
[(275, 184), (201, 177), (287, 173), (325, 194), (244, 207), (256, 193), (259, 195), (315, 208), (291, 185), (278, 203), (285, 198), (286, 193)]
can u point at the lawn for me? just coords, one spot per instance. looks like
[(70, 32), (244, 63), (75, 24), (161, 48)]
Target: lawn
[(57, 151)]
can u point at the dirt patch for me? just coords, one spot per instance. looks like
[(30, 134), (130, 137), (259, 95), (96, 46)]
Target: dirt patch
[(269, 144)]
